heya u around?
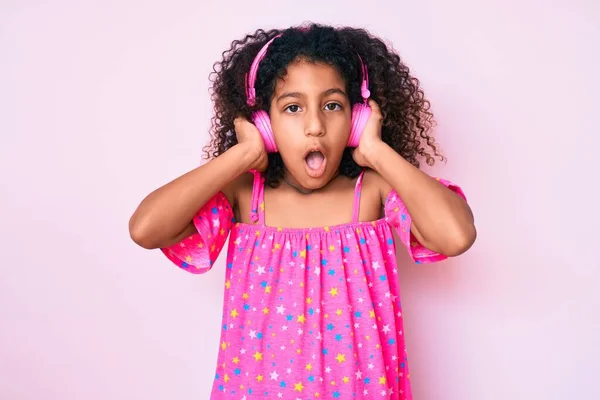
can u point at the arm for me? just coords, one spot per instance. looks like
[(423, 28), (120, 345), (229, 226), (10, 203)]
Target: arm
[(441, 220), (164, 216)]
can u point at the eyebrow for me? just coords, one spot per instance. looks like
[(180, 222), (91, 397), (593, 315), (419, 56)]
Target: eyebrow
[(328, 92)]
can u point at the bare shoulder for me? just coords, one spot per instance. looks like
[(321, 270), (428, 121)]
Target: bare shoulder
[(238, 190), (374, 183)]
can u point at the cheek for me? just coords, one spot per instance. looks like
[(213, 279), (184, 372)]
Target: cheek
[(288, 132)]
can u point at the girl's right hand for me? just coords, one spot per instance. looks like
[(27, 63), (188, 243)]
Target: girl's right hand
[(249, 137)]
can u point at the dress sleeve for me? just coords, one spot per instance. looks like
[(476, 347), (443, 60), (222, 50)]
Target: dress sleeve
[(198, 252), (398, 217)]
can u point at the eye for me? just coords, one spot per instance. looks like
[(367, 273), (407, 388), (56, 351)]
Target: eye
[(292, 109), (332, 107)]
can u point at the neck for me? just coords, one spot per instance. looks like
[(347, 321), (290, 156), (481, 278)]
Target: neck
[(297, 187)]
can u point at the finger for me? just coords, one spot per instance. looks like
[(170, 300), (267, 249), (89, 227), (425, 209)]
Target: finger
[(240, 120), (374, 106)]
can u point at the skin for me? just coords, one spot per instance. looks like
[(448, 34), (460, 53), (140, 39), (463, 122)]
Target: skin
[(309, 109)]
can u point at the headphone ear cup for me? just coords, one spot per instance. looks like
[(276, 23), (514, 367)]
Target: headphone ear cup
[(263, 123), (360, 116)]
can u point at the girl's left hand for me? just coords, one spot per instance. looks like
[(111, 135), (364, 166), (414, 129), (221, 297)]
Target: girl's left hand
[(370, 139)]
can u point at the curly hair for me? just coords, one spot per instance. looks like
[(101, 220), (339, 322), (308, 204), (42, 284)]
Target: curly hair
[(407, 120)]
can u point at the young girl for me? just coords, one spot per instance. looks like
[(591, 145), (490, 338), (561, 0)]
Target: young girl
[(313, 165)]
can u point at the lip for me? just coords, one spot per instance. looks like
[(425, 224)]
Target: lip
[(315, 173), (315, 148)]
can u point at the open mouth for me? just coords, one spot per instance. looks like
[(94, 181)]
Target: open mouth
[(315, 163)]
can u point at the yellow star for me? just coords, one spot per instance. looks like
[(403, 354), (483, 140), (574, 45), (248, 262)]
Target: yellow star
[(277, 246), (331, 248), (338, 312), (332, 383), (308, 300), (213, 247), (236, 360), (226, 378), (308, 367), (265, 310), (188, 259), (268, 289), (333, 292), (200, 245), (259, 378), (303, 253), (382, 380), (257, 233), (245, 295), (228, 284), (346, 379), (326, 229), (372, 314), (234, 313), (301, 318), (223, 345), (258, 356), (340, 358), (298, 387)]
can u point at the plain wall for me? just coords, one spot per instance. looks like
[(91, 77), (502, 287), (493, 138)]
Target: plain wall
[(102, 102)]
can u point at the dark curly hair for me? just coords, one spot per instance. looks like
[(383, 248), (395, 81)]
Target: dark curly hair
[(406, 117)]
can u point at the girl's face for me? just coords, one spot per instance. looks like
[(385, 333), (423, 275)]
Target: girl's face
[(311, 119)]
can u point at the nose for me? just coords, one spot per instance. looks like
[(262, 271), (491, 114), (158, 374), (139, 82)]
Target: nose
[(313, 122)]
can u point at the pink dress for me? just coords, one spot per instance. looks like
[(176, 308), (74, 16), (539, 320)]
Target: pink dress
[(309, 313)]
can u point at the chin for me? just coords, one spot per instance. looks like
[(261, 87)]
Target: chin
[(308, 181)]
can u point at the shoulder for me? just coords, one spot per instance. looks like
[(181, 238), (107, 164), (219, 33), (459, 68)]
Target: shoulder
[(373, 182), (238, 187)]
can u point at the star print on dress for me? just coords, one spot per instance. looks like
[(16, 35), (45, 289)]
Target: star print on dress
[(309, 313)]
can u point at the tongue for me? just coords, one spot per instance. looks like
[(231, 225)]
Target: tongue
[(314, 159)]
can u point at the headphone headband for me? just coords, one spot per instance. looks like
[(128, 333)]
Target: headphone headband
[(250, 78)]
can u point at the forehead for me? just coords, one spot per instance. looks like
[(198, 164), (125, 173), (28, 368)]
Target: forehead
[(309, 77)]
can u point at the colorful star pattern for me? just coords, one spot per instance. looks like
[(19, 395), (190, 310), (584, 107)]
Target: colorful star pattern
[(308, 313)]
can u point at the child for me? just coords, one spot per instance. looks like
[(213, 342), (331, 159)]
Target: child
[(314, 163)]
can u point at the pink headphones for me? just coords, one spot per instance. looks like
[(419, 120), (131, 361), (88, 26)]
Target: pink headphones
[(360, 111)]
